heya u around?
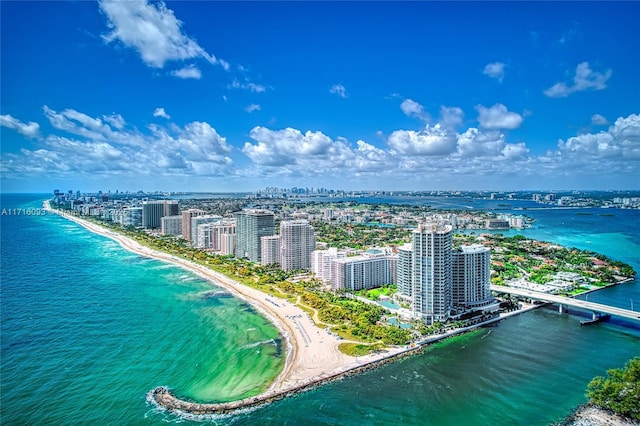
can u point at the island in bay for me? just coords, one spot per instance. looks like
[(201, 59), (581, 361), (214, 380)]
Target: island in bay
[(351, 285)]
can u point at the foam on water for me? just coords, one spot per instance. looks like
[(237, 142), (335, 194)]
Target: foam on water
[(83, 319), (95, 333)]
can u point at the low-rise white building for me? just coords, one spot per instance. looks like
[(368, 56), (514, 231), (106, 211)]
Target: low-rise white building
[(370, 270), (321, 262)]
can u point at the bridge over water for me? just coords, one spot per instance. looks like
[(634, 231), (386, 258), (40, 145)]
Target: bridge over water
[(596, 308)]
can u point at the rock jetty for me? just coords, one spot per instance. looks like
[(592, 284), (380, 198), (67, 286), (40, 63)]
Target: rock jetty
[(164, 398)]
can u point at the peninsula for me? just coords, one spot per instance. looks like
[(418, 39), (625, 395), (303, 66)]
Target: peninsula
[(319, 348), (313, 355)]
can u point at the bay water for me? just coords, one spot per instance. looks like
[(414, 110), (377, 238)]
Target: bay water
[(89, 328)]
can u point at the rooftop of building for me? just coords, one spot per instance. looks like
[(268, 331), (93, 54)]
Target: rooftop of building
[(473, 248)]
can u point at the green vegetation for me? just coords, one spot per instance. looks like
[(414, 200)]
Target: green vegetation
[(375, 293), (619, 391), (359, 236), (357, 349), (359, 321), (365, 323), (538, 261)]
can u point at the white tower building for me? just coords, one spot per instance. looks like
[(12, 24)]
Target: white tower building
[(472, 276), (405, 262), (297, 241), (431, 272), (321, 262), (270, 250)]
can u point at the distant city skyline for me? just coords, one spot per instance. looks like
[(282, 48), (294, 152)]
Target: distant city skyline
[(224, 96)]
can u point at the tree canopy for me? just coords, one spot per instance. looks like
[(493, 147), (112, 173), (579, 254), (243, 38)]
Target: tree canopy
[(619, 391)]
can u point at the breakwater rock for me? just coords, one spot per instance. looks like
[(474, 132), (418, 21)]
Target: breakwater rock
[(164, 398)]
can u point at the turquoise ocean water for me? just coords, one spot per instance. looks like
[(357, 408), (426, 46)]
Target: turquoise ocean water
[(89, 328)]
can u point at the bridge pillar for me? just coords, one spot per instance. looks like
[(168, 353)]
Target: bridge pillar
[(594, 315), (561, 308)]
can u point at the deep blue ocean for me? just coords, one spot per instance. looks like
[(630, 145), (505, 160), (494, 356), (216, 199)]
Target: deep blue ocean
[(87, 329)]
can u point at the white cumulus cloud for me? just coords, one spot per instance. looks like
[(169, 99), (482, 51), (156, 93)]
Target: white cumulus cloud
[(412, 108), (115, 120), (494, 70), (476, 143), (106, 147), (432, 141), (280, 147), (160, 112), (153, 31), (290, 152), (599, 120), (247, 85), (515, 151), (30, 129), (338, 89), (190, 71), (584, 79), (621, 141), (253, 107), (599, 157), (451, 117), (498, 117)]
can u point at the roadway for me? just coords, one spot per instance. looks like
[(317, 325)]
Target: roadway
[(568, 301)]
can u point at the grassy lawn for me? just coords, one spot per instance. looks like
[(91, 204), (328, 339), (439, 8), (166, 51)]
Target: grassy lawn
[(375, 293), (357, 349), (577, 291)]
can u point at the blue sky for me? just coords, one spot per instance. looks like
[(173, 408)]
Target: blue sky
[(237, 96)]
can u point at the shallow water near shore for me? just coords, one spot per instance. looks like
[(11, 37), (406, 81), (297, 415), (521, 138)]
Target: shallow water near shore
[(89, 328)]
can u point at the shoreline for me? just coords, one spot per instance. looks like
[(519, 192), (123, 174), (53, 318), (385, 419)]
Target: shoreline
[(312, 360), (592, 415)]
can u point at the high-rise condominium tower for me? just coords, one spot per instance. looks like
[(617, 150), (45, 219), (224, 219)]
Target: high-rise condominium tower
[(187, 215), (405, 268), (270, 250), (472, 276), (297, 241), (431, 279), (201, 220), (152, 211), (251, 225)]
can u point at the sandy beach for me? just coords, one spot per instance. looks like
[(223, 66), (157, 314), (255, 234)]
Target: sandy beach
[(312, 353)]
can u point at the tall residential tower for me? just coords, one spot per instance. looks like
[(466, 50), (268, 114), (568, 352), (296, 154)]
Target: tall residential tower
[(187, 215), (431, 274), (472, 276), (297, 241), (153, 211), (251, 225)]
